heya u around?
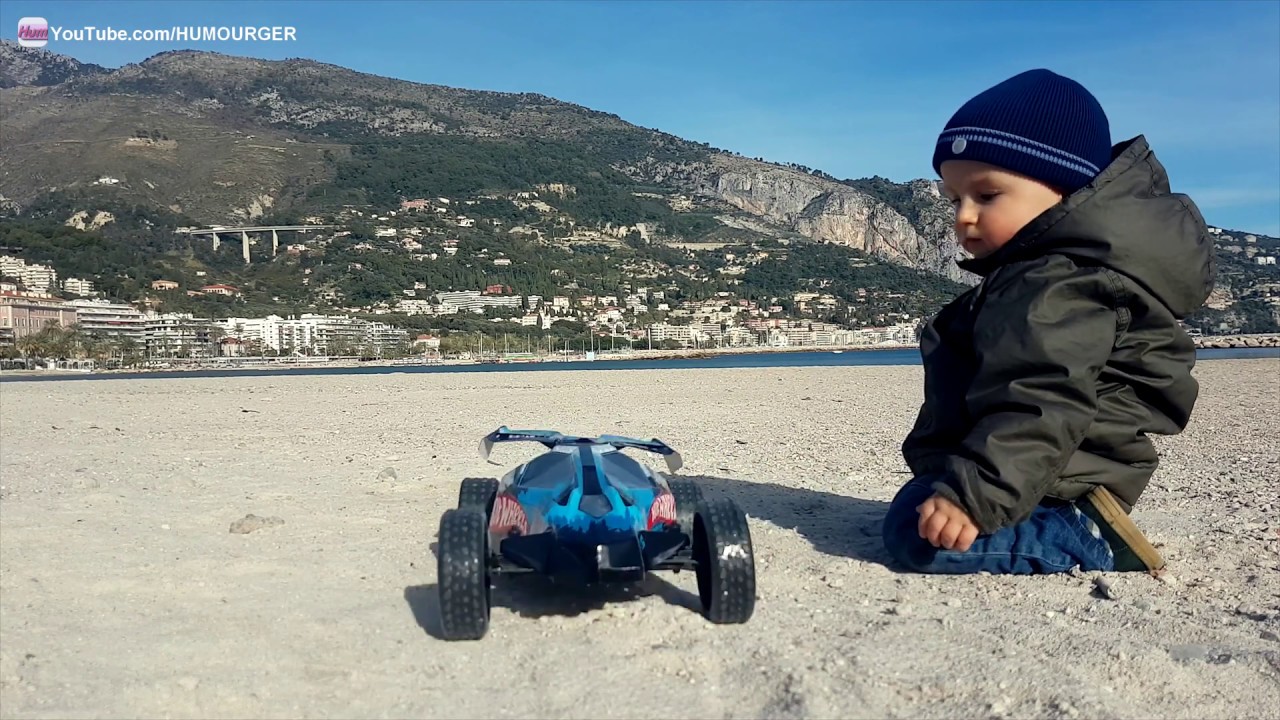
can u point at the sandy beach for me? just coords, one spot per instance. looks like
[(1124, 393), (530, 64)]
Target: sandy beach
[(125, 594)]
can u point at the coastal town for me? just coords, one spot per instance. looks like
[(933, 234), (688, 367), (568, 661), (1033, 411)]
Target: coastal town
[(115, 334), (41, 331), (49, 321), (52, 323), (551, 271)]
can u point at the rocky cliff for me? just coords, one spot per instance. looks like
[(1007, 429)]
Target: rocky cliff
[(825, 210), (20, 67)]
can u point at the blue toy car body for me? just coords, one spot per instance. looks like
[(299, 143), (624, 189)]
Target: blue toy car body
[(586, 511), (584, 508)]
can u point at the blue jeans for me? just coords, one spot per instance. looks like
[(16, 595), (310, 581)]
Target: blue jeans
[(1054, 539)]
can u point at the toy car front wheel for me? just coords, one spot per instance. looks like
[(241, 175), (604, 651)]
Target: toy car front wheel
[(462, 571), (725, 562), (478, 493)]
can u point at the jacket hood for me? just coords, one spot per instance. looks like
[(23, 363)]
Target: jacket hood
[(1128, 220)]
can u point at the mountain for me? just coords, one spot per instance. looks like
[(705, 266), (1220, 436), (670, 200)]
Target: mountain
[(225, 139), (566, 194), (36, 67)]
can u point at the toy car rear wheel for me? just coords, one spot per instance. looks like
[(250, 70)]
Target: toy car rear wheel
[(688, 495), (462, 571), (478, 493), (725, 562)]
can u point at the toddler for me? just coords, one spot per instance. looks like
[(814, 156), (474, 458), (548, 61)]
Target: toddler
[(1043, 383)]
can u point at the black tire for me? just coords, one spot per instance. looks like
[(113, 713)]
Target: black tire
[(478, 493), (725, 560), (688, 496), (462, 571)]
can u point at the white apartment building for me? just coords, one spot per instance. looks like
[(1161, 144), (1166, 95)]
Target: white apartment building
[(11, 266), (108, 319), (78, 286), (39, 277), (511, 301), (740, 336), (662, 331), (320, 334), (35, 277), (314, 334), (380, 336), (904, 333), (414, 307), (462, 299), (475, 301), (253, 332), (174, 335), (797, 336)]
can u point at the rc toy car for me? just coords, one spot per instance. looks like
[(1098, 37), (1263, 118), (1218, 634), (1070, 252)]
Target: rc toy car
[(586, 512)]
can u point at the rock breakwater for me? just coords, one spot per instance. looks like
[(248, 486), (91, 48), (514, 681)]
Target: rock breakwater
[(1239, 341)]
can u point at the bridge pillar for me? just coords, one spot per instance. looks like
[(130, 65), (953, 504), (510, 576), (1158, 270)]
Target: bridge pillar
[(215, 241), (244, 240), (275, 243)]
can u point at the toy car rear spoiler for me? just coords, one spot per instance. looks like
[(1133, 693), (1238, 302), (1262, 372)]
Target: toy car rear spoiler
[(552, 438), (653, 445)]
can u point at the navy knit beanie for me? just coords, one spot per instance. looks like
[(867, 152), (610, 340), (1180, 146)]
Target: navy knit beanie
[(1037, 123)]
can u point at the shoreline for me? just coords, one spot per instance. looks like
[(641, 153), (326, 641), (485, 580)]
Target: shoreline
[(289, 363), (1222, 342)]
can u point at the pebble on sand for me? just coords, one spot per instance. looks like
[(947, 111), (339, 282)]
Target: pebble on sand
[(1105, 588), (251, 522)]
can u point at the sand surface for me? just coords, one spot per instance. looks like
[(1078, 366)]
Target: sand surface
[(124, 594)]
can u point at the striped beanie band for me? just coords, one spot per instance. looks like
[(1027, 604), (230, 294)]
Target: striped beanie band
[(1037, 123)]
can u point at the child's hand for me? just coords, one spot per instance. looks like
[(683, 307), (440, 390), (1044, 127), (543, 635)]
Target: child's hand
[(945, 524)]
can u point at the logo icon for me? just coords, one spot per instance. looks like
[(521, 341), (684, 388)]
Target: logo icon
[(33, 32)]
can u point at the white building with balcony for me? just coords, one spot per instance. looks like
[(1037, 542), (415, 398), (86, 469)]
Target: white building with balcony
[(108, 319), (36, 277), (311, 334), (76, 286), (176, 335)]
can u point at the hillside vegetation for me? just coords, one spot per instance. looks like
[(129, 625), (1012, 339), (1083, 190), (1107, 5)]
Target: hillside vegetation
[(535, 195)]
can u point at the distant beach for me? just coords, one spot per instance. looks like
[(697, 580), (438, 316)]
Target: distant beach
[(664, 359)]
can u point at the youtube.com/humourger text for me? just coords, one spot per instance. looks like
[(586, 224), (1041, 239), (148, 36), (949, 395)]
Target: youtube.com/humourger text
[(35, 32)]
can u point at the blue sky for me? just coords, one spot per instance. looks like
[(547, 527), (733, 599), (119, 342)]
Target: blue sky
[(852, 88)]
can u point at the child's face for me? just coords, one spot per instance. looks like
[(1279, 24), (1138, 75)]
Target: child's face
[(992, 204)]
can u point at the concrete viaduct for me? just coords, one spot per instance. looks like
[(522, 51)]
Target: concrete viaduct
[(244, 234)]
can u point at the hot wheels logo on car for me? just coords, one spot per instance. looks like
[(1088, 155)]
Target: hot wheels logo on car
[(508, 515), (663, 510)]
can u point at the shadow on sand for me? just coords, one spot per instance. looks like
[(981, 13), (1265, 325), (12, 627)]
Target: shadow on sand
[(835, 524), (534, 596)]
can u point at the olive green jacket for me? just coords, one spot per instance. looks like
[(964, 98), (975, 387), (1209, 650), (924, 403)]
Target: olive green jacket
[(1045, 379)]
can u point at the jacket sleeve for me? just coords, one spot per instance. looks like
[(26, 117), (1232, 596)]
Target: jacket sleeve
[(1040, 341)]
